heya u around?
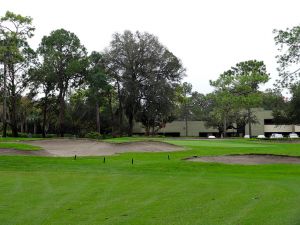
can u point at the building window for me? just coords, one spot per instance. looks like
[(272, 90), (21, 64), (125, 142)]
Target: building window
[(269, 122)]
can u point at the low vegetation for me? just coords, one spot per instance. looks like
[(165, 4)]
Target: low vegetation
[(152, 190), (18, 146)]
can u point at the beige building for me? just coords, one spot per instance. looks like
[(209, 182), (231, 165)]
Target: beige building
[(178, 128), (264, 126)]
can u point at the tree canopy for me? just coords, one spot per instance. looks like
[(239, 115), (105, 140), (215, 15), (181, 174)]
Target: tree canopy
[(145, 73), (66, 58), (288, 42)]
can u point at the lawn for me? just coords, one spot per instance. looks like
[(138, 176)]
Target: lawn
[(14, 143), (131, 139), (154, 190), (19, 146), (17, 139)]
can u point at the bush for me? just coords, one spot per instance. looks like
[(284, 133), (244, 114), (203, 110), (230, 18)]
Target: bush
[(94, 135), (51, 135), (21, 135)]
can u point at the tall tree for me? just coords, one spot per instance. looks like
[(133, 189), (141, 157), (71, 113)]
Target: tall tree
[(288, 42), (273, 99), (247, 78), (223, 97), (222, 113), (157, 105), (3, 80), (200, 106), (288, 112), (42, 80), (66, 58), (293, 109), (241, 83), (185, 100), (98, 85), (135, 60), (17, 57)]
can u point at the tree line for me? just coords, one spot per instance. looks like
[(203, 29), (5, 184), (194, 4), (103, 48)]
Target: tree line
[(59, 88)]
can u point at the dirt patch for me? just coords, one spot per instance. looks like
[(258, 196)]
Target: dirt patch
[(71, 147), (248, 159)]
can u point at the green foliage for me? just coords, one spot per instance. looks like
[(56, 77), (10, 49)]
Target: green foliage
[(20, 135), (94, 135), (198, 107), (272, 100), (97, 79), (65, 58), (238, 89), (17, 58), (183, 94), (20, 22), (294, 109), (288, 42), (290, 114), (248, 76), (146, 75)]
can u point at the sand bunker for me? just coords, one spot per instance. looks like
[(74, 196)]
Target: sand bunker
[(248, 159), (82, 147)]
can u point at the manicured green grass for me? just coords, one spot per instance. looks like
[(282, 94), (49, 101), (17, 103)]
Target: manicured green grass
[(14, 139), (19, 146), (131, 139), (154, 190)]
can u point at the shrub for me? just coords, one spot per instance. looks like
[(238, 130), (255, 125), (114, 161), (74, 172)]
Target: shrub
[(93, 135)]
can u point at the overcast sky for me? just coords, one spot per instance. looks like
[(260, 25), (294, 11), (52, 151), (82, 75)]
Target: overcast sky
[(208, 36)]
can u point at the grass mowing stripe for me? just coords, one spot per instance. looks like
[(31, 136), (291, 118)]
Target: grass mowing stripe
[(154, 190)]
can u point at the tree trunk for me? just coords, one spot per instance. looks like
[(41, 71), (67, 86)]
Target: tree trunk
[(293, 128), (44, 116), (120, 110), (111, 113), (153, 130), (13, 122), (120, 119), (147, 130), (224, 126), (186, 119), (14, 125), (61, 115), (186, 127), (22, 126), (98, 117), (130, 120), (249, 122), (4, 103), (34, 127), (26, 127)]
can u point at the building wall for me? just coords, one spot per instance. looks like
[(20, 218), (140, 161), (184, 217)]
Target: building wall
[(278, 128), (261, 115), (297, 128), (196, 127)]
